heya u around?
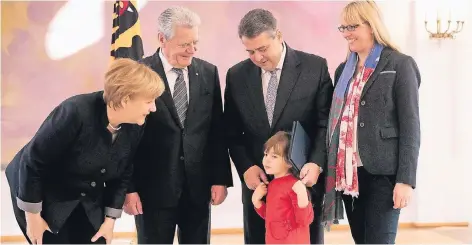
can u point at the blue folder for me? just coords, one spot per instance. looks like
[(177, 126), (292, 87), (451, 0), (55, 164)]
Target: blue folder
[(300, 146)]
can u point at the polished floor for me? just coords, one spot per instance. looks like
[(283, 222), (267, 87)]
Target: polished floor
[(446, 235)]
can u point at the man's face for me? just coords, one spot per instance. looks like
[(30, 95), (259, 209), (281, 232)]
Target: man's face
[(264, 50), (180, 49)]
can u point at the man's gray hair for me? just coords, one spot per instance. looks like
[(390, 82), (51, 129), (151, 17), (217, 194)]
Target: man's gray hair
[(256, 22), (176, 16)]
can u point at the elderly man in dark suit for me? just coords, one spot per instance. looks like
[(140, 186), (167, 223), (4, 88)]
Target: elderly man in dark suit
[(182, 163), (266, 93)]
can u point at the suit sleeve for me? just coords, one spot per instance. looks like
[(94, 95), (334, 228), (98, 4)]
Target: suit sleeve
[(54, 137), (407, 84), (234, 131), (116, 189), (323, 106), (303, 216), (261, 211), (221, 172)]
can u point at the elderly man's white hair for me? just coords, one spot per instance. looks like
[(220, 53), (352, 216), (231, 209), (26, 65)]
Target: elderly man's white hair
[(176, 16)]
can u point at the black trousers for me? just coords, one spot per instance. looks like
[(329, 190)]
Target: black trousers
[(76, 230), (157, 225), (372, 218), (254, 225)]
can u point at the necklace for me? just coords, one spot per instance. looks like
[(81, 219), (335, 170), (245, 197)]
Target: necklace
[(116, 129)]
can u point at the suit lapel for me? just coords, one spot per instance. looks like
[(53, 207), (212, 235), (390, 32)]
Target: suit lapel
[(254, 86), (194, 90), (380, 67), (166, 97), (288, 79)]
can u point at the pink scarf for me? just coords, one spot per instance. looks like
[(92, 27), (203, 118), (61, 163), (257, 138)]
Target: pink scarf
[(348, 156)]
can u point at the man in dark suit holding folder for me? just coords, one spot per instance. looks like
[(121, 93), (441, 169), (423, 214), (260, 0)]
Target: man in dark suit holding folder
[(265, 94)]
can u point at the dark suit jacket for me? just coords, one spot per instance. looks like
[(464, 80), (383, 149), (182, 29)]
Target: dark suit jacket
[(71, 160), (171, 158), (304, 94), (389, 122)]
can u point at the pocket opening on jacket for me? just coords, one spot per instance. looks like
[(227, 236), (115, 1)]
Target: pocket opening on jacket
[(387, 133)]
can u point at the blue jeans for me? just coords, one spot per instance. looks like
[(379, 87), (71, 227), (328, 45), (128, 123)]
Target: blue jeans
[(372, 218)]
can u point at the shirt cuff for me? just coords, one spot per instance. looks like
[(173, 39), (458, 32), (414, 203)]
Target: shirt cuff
[(113, 212), (30, 207)]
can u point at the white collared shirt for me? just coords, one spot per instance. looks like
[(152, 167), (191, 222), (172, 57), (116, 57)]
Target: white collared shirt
[(172, 75), (265, 75)]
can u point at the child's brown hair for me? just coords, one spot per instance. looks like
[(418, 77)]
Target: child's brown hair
[(280, 144)]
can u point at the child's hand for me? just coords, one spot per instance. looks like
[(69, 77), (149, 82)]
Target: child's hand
[(260, 192), (302, 195), (299, 188)]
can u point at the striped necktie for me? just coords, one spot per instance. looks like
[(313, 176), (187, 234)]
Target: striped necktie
[(180, 95)]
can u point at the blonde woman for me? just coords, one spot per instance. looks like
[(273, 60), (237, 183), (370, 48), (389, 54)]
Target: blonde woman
[(68, 184), (373, 131)]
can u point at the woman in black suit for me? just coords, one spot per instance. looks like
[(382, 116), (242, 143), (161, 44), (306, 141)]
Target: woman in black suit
[(374, 129), (68, 184)]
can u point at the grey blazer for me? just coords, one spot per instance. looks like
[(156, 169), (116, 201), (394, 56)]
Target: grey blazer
[(389, 122)]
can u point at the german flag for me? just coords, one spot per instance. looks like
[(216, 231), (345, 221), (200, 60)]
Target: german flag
[(126, 39)]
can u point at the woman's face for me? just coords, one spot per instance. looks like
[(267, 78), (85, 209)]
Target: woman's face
[(358, 36), (136, 109)]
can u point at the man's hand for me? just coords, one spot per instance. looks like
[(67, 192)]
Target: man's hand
[(309, 174), (218, 194), (401, 195), (35, 227), (133, 204), (105, 231), (253, 177)]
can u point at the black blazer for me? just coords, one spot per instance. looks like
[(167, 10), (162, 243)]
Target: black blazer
[(72, 160), (171, 158), (389, 121), (304, 94)]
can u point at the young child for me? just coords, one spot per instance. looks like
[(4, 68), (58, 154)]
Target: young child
[(287, 211)]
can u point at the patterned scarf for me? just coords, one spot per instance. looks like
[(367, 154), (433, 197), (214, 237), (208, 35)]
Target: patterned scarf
[(341, 139)]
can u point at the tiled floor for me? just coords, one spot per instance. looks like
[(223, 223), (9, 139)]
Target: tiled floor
[(445, 235)]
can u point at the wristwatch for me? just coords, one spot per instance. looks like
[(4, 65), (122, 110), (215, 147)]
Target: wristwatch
[(108, 216)]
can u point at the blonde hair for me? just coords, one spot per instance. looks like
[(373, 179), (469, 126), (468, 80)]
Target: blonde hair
[(358, 12), (128, 78)]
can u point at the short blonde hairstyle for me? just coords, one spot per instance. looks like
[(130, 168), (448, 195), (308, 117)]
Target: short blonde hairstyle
[(358, 12), (128, 78)]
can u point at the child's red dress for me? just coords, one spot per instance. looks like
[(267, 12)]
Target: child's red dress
[(285, 221)]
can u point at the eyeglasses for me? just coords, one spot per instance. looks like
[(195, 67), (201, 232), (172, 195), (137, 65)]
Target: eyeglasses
[(348, 27)]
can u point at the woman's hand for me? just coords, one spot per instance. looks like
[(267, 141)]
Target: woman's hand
[(105, 231), (401, 195), (35, 227)]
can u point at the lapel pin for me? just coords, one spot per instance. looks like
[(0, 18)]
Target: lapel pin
[(196, 73)]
